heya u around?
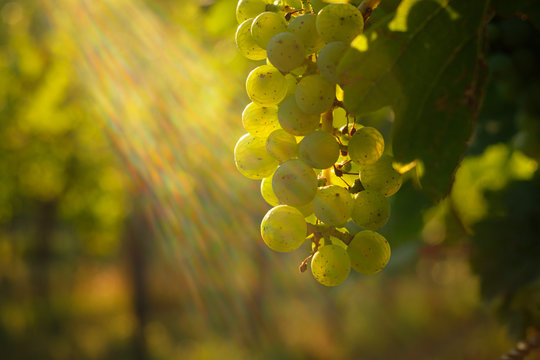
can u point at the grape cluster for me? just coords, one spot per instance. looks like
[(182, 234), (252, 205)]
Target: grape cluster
[(319, 168)]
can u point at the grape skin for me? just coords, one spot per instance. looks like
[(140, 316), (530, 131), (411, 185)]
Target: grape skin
[(369, 252), (314, 94), (249, 9), (339, 22), (283, 228), (381, 176), (265, 26), (304, 27), (333, 205), (282, 145), (251, 158), (366, 146), (266, 86), (285, 51), (294, 183), (245, 43), (267, 192), (295, 121), (259, 120), (319, 149), (371, 210), (331, 265), (328, 60)]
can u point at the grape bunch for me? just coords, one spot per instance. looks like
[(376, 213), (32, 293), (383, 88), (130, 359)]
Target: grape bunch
[(318, 167)]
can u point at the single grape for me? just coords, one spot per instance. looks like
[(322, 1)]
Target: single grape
[(285, 51), (294, 183), (371, 210), (291, 84), (245, 43), (282, 145), (259, 120), (328, 59), (304, 27), (249, 9), (306, 210), (381, 176), (251, 158), (295, 121), (331, 265), (267, 192), (369, 252), (283, 228), (366, 146), (266, 86), (314, 94), (339, 116), (339, 22), (265, 26), (332, 205), (319, 149)]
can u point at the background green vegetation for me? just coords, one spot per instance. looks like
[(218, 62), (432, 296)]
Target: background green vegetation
[(126, 232)]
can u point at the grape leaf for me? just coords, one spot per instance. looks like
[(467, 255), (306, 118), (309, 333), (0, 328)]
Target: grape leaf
[(423, 60)]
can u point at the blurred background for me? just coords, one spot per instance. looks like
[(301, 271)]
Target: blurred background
[(127, 233)]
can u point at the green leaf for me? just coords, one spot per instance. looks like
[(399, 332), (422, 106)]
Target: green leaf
[(423, 60)]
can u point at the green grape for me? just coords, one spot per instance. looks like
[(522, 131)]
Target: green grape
[(249, 9), (251, 158), (266, 25), (369, 252), (306, 210), (339, 117), (259, 120), (283, 228), (331, 265), (266, 86), (282, 145), (317, 5), (333, 205), (245, 43), (371, 210), (339, 22), (295, 121), (291, 84), (381, 176), (319, 149), (366, 146), (314, 94), (328, 59), (295, 4), (294, 183), (267, 192), (304, 27), (285, 51)]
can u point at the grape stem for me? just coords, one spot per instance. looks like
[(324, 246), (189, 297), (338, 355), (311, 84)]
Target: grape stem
[(320, 231), (367, 7), (306, 5)]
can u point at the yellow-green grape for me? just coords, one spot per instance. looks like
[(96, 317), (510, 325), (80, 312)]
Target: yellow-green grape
[(294, 183), (304, 27), (328, 59), (306, 210), (282, 145), (245, 43), (252, 159), (333, 205), (285, 51), (295, 121), (331, 265), (381, 176), (283, 228), (266, 86), (249, 9), (371, 210), (366, 146), (260, 120), (339, 116), (369, 252), (319, 149), (314, 94), (291, 84), (267, 192), (265, 26), (339, 22)]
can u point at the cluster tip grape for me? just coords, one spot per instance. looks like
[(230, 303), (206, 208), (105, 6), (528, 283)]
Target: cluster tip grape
[(318, 167)]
